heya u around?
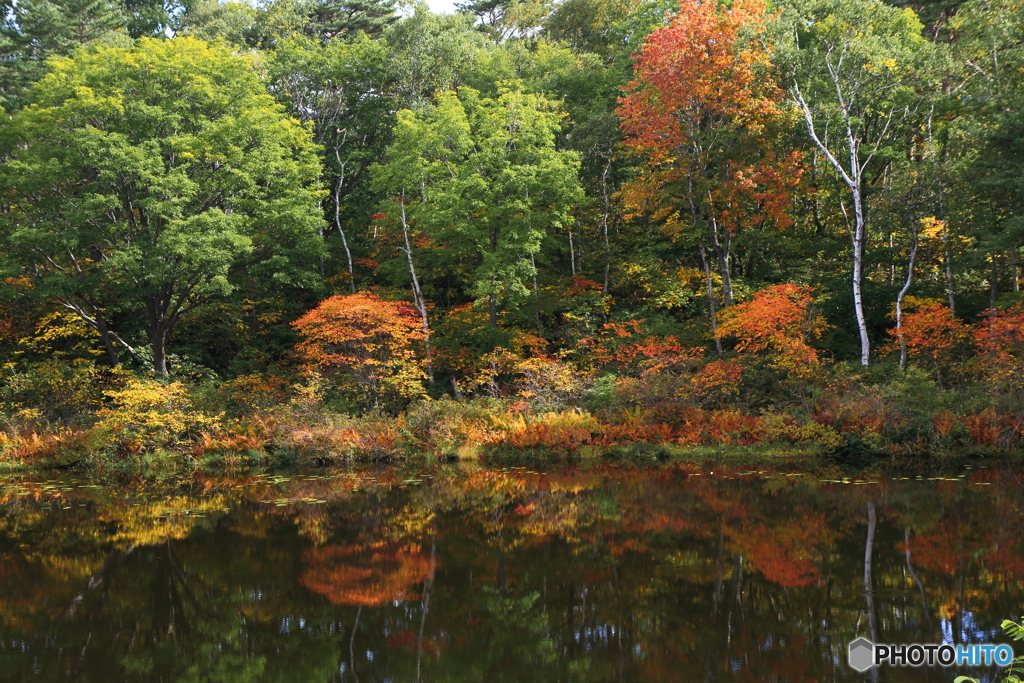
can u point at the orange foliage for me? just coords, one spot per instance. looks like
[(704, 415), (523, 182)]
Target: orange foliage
[(626, 346), (932, 332), (698, 110), (369, 340), (777, 321), (365, 574), (568, 431), (1000, 340), (34, 447), (715, 380), (984, 428), (783, 553)]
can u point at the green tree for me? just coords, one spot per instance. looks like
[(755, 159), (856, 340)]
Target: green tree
[(345, 18), (489, 183), (211, 19), (343, 90), (154, 18), (142, 178), (992, 52)]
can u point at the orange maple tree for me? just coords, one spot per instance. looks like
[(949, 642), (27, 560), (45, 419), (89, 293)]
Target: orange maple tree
[(700, 113), (368, 342), (778, 322), (933, 333), (1000, 340)]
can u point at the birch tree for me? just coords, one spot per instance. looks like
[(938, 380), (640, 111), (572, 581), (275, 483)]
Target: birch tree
[(853, 69)]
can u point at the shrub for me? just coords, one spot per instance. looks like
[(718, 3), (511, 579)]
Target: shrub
[(369, 345), (148, 414)]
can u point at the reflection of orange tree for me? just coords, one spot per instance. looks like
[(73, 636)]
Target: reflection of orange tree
[(784, 552), (365, 574)]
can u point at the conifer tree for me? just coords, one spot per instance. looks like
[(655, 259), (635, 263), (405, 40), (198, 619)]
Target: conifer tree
[(33, 30), (344, 18)]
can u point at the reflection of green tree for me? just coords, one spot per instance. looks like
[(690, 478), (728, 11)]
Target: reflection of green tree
[(517, 632)]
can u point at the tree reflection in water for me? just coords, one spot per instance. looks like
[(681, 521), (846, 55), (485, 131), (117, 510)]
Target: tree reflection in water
[(601, 573)]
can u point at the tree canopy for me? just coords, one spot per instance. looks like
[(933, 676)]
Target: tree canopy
[(140, 178)]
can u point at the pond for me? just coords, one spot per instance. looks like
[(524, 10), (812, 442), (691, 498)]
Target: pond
[(582, 573)]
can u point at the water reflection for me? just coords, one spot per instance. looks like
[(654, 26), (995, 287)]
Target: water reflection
[(602, 573)]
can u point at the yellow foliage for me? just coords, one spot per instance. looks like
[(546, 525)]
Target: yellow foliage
[(62, 327), (150, 413)]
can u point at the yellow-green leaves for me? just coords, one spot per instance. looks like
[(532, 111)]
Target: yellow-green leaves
[(142, 175)]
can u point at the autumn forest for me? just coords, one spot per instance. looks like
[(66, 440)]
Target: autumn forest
[(319, 230)]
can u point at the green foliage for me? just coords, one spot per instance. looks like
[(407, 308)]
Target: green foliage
[(490, 183), (142, 176), (54, 390), (177, 204), (31, 31), (1013, 672)]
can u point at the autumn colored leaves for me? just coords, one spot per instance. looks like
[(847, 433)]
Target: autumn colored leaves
[(704, 113)]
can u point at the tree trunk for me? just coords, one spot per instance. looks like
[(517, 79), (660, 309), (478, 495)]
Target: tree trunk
[(993, 289), (1013, 269), (858, 269), (723, 250), (853, 179), (341, 231), (949, 267), (156, 311), (428, 588), (869, 592), (158, 340), (903, 293), (605, 213), (711, 301), (417, 293)]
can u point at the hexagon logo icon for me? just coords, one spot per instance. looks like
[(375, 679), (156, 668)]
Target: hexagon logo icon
[(862, 654)]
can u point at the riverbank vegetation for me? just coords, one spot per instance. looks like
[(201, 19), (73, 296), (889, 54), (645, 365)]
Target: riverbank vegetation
[(321, 230)]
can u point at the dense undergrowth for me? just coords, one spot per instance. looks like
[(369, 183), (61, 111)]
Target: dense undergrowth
[(357, 389), (82, 415)]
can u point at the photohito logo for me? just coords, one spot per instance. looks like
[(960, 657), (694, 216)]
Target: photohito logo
[(864, 654)]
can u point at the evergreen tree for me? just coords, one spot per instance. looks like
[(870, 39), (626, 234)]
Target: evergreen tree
[(33, 30), (337, 19)]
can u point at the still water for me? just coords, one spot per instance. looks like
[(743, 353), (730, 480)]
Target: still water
[(468, 573)]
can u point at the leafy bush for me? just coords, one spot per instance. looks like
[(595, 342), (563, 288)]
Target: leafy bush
[(148, 414)]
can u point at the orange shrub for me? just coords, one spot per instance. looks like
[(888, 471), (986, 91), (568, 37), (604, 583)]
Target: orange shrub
[(934, 334), (1000, 340), (777, 322), (367, 342)]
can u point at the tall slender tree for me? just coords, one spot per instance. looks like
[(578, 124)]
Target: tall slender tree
[(856, 71), (489, 183)]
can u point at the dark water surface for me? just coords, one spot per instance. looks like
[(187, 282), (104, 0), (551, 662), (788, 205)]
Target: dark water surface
[(585, 573)]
